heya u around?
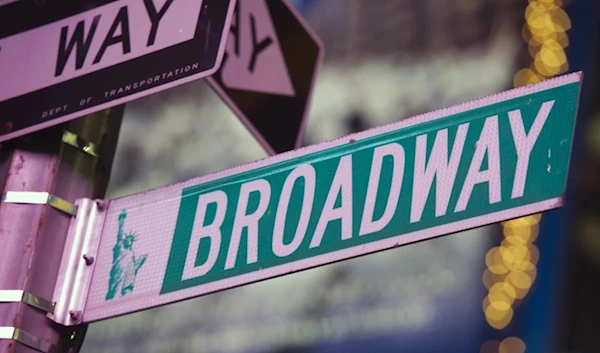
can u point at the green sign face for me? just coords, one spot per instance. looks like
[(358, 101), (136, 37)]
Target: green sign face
[(474, 164), (479, 162)]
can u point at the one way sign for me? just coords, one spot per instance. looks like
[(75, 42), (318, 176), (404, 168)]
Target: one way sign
[(271, 62)]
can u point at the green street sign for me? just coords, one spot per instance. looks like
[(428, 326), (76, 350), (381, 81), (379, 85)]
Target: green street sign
[(458, 168)]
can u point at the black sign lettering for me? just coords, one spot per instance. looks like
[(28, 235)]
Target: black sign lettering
[(155, 18), (122, 20), (257, 48), (77, 40)]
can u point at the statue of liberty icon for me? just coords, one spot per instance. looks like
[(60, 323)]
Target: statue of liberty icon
[(125, 264)]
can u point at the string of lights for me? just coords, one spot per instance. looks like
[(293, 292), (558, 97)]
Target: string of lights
[(511, 266)]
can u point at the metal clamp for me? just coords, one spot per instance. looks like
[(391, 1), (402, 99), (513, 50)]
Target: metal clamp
[(39, 198), (78, 262), (26, 338), (77, 142), (20, 296)]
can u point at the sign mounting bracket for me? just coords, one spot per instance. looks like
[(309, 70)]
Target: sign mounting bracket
[(39, 198), (21, 296), (78, 262), (26, 338)]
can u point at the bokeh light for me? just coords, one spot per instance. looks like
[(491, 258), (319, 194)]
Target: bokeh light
[(511, 345), (491, 346), (498, 319), (511, 267)]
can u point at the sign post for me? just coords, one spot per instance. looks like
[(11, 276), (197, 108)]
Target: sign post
[(470, 165), (40, 177), (64, 59), (269, 70)]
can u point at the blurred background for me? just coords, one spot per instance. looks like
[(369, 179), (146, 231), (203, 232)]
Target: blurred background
[(528, 285)]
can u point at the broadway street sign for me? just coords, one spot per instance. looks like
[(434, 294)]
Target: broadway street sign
[(477, 163), (60, 60)]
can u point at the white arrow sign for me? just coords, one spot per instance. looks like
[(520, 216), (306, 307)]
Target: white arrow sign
[(269, 69), (253, 36)]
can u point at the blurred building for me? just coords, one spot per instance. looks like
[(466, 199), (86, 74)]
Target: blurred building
[(405, 30)]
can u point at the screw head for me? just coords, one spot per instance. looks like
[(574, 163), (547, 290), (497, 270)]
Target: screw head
[(88, 259), (75, 315), (101, 204)]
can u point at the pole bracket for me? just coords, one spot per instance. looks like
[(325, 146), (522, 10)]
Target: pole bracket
[(80, 144), (78, 262), (26, 338), (21, 296), (39, 198)]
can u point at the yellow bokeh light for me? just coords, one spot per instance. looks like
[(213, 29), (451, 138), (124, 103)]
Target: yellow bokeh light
[(485, 304), (521, 293), (500, 300), (503, 287), (548, 62), (494, 261), (540, 35), (562, 39), (520, 252), (544, 24), (508, 257), (549, 5), (526, 33), (501, 296), (545, 33), (512, 345), (548, 2), (490, 257), (537, 17), (552, 53), (514, 239), (499, 269), (526, 77), (520, 279), (523, 221), (523, 266), (560, 20), (498, 319), (531, 273), (534, 47), (542, 68), (540, 16), (514, 256), (495, 314), (521, 235), (534, 254), (490, 346), (490, 278)]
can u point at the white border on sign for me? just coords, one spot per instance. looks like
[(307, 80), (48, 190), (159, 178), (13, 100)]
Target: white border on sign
[(123, 100), (247, 123)]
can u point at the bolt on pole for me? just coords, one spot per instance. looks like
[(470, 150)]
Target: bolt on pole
[(56, 166)]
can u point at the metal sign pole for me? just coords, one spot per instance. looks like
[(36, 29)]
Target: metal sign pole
[(41, 175)]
